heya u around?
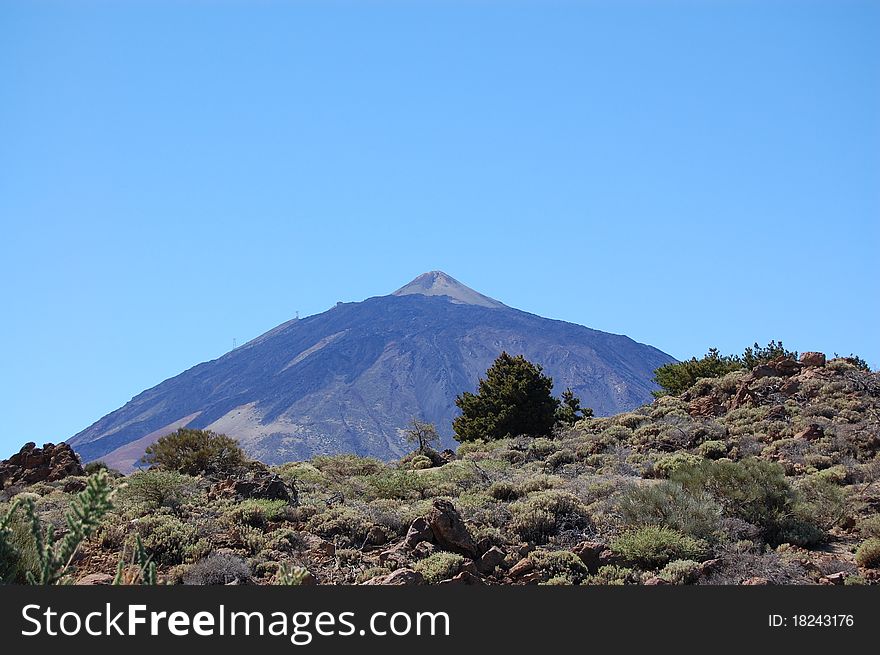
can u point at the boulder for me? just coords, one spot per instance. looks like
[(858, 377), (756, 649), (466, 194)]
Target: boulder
[(756, 582), (450, 532), (521, 568), (398, 578), (93, 579), (257, 482), (419, 531), (812, 359), (590, 553), (31, 464), (464, 578), (655, 581), (812, 431), (490, 560)]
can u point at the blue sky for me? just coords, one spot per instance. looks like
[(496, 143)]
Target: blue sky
[(176, 175)]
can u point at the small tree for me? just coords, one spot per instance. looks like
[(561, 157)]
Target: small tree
[(196, 452), (422, 433), (515, 398), (570, 410)]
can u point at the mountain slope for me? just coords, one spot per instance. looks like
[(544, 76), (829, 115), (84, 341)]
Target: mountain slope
[(349, 379)]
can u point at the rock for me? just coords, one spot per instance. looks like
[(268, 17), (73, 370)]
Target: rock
[(419, 531), (786, 366), (74, 485), (533, 578), (317, 545), (449, 455), (483, 545), (791, 386), (93, 579), (704, 406), (812, 431), (257, 482), (521, 568), (590, 552), (490, 560), (398, 578), (424, 549), (654, 581), (450, 532), (524, 549), (607, 557), (709, 566), (465, 578), (813, 359), (31, 464), (836, 578), (376, 536), (764, 371), (755, 582), (777, 412)]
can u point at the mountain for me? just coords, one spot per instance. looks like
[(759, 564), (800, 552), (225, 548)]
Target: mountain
[(351, 378)]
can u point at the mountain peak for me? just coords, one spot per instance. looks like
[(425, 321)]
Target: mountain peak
[(438, 283)]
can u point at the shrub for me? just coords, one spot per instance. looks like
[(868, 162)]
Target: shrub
[(218, 569), (870, 527), (503, 490), (515, 398), (344, 523), (147, 491), (54, 558), (652, 546), (421, 462), (611, 574), (753, 490), (439, 566), (167, 539), (545, 513), (680, 571), (562, 565), (667, 465), (669, 504), (868, 554), (713, 449), (196, 452), (256, 512)]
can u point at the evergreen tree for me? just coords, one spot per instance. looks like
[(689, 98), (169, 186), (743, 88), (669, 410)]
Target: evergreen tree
[(514, 399), (570, 410)]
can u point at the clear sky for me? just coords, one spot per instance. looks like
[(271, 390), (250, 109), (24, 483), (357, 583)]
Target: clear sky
[(176, 175)]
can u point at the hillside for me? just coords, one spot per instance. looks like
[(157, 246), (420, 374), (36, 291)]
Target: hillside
[(763, 476), (349, 379)]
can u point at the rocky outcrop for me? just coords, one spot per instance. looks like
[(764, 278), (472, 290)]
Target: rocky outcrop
[(47, 464), (399, 577), (450, 532), (257, 482), (813, 359)]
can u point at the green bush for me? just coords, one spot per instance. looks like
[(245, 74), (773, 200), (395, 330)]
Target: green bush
[(870, 527), (257, 512), (196, 452), (667, 465), (613, 575), (439, 566), (868, 554), (713, 449), (343, 523), (542, 514), (166, 538), (669, 504), (680, 571), (562, 565), (752, 490), (147, 491), (652, 546)]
